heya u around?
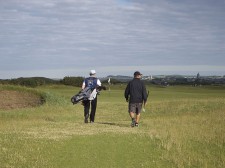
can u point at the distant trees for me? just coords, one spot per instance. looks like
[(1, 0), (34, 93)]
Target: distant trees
[(197, 80), (29, 82), (38, 81), (73, 81)]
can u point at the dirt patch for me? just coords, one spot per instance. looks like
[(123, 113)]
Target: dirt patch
[(16, 99)]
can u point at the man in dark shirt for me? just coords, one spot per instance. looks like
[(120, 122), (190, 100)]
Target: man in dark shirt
[(136, 94)]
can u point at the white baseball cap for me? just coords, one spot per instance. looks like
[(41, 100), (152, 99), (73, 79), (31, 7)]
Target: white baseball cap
[(92, 72)]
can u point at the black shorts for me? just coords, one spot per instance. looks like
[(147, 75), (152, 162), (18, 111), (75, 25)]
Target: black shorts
[(135, 107)]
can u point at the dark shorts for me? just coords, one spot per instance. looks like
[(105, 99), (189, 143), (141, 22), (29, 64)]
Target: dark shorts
[(135, 107)]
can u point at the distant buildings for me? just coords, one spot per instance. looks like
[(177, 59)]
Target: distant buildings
[(167, 80)]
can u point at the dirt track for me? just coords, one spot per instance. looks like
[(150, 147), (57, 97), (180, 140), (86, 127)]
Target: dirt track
[(16, 99)]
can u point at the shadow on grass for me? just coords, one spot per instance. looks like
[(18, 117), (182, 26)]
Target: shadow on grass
[(114, 124)]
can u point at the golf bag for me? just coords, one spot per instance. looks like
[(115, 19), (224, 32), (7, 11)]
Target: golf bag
[(87, 93)]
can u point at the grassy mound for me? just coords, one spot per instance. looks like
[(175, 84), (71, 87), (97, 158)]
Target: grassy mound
[(13, 97), (16, 99)]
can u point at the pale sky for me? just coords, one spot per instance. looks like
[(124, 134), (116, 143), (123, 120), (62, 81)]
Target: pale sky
[(58, 38)]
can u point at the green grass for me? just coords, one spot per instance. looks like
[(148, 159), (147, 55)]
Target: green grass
[(183, 127)]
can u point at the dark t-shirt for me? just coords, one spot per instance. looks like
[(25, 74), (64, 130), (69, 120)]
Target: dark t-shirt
[(136, 91)]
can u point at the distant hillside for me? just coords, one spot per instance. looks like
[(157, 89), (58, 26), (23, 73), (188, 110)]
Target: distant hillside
[(116, 79), (119, 78)]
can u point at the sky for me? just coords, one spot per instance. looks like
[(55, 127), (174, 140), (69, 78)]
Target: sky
[(58, 38)]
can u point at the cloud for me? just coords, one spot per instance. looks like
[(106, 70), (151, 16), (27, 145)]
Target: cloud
[(66, 34)]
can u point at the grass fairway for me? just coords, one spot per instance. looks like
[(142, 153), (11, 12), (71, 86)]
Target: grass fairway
[(183, 127)]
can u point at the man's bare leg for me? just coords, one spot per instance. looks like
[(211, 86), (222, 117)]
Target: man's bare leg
[(132, 115), (138, 118)]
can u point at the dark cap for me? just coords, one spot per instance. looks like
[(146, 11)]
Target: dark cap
[(137, 73)]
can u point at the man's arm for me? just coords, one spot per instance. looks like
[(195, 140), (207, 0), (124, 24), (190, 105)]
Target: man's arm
[(83, 85), (99, 82), (145, 95), (127, 92)]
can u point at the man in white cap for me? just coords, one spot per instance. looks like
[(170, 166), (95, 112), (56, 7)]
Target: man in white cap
[(92, 81)]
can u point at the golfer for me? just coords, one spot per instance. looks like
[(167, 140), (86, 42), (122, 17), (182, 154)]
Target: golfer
[(136, 94), (92, 82)]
